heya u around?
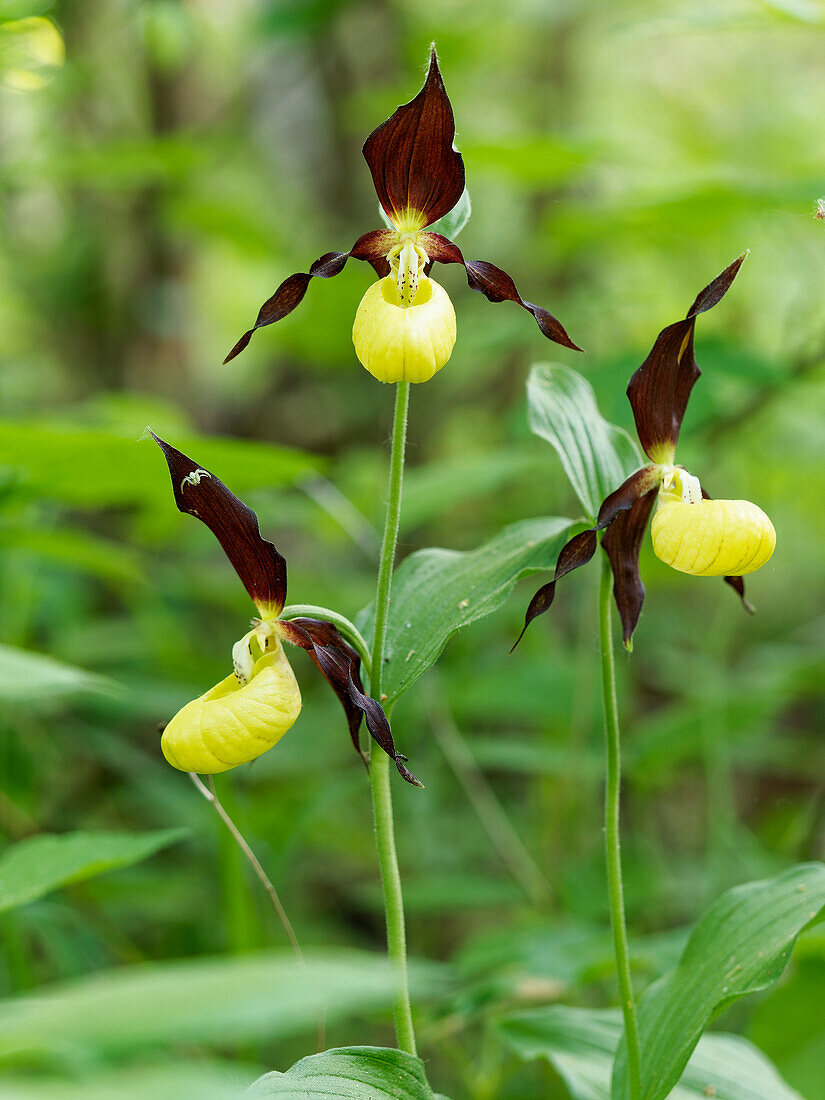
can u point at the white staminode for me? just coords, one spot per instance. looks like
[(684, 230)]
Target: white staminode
[(675, 479), (407, 261), (243, 657)]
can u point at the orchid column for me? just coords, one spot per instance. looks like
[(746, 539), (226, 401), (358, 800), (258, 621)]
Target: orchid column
[(404, 332)]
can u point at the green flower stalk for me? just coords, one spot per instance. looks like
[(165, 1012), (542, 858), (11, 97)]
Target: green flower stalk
[(691, 533), (404, 332)]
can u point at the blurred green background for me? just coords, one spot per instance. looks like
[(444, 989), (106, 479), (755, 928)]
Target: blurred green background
[(164, 166)]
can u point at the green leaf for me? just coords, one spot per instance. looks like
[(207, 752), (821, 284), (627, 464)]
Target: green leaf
[(597, 456), (435, 488), (532, 160), (32, 678), (437, 592), (205, 1000), (347, 1073), (176, 1081), (83, 466), (40, 864), (579, 1044), (741, 945), (74, 549), (789, 1025)]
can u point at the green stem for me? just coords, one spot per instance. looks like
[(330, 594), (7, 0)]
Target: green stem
[(379, 761), (347, 628), (612, 835)]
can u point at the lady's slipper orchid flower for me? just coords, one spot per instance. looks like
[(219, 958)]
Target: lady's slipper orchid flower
[(691, 533), (405, 326), (250, 711)]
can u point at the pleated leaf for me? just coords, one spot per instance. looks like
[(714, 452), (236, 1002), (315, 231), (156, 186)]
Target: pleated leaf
[(350, 1073), (580, 1044), (436, 592), (218, 1001), (596, 455), (741, 945)]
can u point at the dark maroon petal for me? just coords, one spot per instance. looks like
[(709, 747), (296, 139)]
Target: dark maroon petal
[(636, 486), (414, 166), (621, 542), (659, 390), (581, 548), (714, 292), (496, 285), (373, 247), (340, 664), (326, 634), (736, 583), (256, 561), (578, 551)]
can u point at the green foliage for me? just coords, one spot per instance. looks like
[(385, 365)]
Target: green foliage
[(788, 1024), (36, 866), (596, 455), (741, 945), (90, 468), (183, 161), (347, 1073), (171, 1081), (209, 1000), (456, 219), (437, 592), (580, 1044), (32, 679)]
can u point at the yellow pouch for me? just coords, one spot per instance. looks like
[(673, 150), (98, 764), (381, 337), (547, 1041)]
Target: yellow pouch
[(233, 723), (712, 538), (404, 343)]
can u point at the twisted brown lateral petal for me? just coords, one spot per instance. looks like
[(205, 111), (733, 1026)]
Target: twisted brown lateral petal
[(641, 485), (341, 666), (738, 586), (373, 247), (578, 551), (659, 390), (323, 633), (414, 167), (622, 542), (256, 561), (496, 285), (736, 583)]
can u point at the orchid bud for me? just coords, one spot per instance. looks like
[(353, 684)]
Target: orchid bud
[(712, 538), (404, 343), (234, 723)]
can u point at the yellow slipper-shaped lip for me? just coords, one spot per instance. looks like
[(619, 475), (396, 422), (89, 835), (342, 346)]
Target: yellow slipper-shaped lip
[(712, 538), (398, 343), (233, 724)]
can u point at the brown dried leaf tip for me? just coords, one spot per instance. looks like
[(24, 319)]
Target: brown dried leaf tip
[(418, 176), (658, 393), (262, 569)]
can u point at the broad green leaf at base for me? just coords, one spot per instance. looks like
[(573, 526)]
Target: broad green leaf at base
[(741, 945), (196, 1001), (580, 1044), (170, 1081), (34, 679), (350, 1073), (40, 864)]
